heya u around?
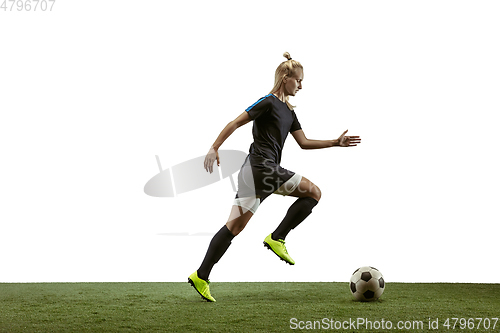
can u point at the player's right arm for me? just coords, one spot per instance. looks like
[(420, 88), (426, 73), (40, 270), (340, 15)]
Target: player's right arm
[(213, 154)]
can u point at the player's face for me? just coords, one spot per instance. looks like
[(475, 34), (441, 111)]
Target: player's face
[(294, 84)]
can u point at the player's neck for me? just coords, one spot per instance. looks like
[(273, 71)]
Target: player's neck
[(280, 95)]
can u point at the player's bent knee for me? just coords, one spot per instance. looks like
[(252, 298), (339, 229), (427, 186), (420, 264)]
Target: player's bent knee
[(314, 192), (237, 225), (318, 193), (237, 222)]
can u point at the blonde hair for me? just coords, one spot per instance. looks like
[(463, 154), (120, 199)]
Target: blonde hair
[(285, 69)]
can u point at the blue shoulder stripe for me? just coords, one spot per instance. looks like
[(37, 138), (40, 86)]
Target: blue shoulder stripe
[(254, 104)]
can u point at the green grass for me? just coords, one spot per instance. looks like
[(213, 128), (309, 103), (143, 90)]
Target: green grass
[(240, 307)]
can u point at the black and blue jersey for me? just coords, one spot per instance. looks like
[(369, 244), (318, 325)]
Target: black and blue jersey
[(273, 120), (261, 173)]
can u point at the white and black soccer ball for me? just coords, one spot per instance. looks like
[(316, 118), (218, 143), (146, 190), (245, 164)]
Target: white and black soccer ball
[(367, 284)]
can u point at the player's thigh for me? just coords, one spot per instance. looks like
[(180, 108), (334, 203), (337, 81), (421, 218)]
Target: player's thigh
[(306, 188)]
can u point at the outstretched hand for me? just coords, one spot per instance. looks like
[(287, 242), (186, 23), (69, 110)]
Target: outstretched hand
[(210, 159), (348, 141)]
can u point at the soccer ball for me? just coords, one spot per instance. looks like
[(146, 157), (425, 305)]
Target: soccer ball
[(367, 284)]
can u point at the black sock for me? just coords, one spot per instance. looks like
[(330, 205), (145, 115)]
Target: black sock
[(218, 246), (297, 213)]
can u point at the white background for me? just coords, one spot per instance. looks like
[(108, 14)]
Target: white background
[(93, 90)]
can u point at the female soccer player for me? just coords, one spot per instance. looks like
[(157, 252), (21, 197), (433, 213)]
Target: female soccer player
[(261, 174)]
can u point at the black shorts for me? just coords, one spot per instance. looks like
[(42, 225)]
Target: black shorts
[(259, 178)]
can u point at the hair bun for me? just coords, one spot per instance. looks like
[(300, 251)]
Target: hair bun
[(287, 56)]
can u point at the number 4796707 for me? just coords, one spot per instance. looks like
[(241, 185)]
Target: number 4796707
[(470, 323), (27, 5)]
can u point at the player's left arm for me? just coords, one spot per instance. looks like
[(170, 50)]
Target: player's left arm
[(342, 141)]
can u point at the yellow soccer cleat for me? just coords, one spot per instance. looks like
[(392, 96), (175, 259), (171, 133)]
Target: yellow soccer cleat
[(279, 248), (201, 287)]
